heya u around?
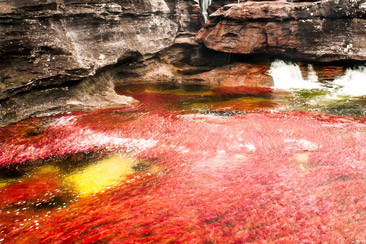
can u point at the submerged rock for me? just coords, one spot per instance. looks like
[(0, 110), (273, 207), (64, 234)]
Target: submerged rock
[(322, 31)]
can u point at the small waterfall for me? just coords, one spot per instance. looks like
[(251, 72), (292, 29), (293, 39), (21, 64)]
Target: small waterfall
[(204, 4), (312, 76), (352, 83), (288, 76)]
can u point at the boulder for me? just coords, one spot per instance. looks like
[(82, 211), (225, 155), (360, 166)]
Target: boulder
[(323, 31), (91, 94)]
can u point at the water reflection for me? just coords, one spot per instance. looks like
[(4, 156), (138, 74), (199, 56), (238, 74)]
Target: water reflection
[(196, 98)]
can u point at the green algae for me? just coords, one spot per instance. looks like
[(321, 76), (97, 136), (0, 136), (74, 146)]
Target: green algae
[(310, 93)]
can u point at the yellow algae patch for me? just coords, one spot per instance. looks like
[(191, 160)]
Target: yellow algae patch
[(200, 105), (47, 170), (240, 104), (252, 99), (3, 183), (100, 176)]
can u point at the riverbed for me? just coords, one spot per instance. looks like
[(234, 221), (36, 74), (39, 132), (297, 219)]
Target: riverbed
[(191, 163)]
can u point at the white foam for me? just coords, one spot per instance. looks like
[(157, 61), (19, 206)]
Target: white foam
[(287, 76), (352, 83), (101, 139), (303, 144), (250, 147)]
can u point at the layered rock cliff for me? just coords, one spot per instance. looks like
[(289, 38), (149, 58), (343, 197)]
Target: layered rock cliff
[(48, 42), (329, 30)]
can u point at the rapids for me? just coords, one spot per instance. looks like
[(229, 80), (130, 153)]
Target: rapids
[(194, 164), (288, 76), (353, 83)]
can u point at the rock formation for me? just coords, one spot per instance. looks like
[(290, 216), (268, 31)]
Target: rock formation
[(50, 49), (92, 93), (322, 31), (50, 42), (239, 74), (53, 45)]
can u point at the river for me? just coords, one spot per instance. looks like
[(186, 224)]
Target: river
[(194, 163)]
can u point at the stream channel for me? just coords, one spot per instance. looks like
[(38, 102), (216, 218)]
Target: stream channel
[(194, 163)]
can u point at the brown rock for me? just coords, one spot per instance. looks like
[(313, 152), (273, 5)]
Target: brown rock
[(328, 72), (323, 31), (187, 14), (239, 74)]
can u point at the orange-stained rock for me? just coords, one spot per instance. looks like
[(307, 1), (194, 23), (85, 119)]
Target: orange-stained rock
[(239, 74), (329, 72), (322, 31)]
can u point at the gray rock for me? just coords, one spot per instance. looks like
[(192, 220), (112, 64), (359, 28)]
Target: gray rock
[(51, 50), (49, 42), (92, 93)]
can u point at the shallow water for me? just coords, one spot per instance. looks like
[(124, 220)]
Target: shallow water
[(190, 164), (196, 98)]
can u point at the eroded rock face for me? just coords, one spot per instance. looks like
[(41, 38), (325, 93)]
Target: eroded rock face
[(49, 42), (187, 14), (92, 93), (51, 50), (323, 31)]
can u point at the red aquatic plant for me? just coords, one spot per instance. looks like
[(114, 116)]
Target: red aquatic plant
[(280, 178), (30, 192), (257, 178)]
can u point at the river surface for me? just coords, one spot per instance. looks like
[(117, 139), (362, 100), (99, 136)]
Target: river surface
[(194, 163)]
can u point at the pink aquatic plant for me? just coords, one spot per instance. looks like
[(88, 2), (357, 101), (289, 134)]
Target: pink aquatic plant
[(253, 178)]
